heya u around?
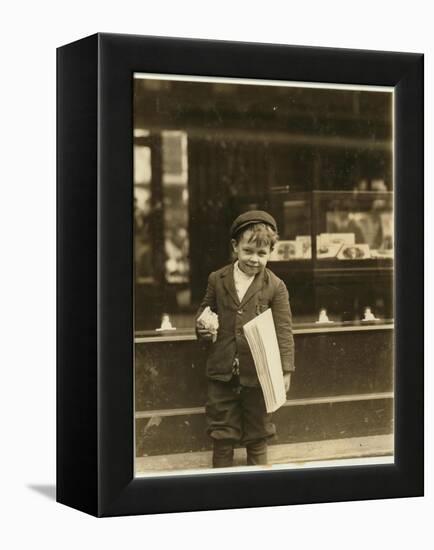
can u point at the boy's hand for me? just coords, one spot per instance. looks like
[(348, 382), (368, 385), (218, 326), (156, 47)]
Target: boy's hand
[(204, 333), (287, 381)]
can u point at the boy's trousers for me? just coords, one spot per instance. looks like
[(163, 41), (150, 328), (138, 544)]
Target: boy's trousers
[(237, 414)]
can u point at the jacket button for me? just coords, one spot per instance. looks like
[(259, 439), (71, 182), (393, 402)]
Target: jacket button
[(240, 311)]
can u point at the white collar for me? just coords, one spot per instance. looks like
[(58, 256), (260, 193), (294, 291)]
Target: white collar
[(241, 274)]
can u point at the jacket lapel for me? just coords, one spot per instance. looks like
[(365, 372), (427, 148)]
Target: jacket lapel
[(229, 284), (256, 286)]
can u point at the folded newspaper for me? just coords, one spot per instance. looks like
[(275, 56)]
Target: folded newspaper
[(261, 337), (210, 321)]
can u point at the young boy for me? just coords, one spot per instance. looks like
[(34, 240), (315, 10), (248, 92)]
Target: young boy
[(238, 292)]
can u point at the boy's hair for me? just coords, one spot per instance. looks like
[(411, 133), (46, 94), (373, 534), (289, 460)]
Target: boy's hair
[(261, 234)]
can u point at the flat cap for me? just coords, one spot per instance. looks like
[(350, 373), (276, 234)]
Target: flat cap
[(251, 217)]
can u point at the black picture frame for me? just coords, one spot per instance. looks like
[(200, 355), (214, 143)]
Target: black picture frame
[(95, 344)]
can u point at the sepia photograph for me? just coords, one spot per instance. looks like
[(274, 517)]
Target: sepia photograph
[(263, 275), (215, 223)]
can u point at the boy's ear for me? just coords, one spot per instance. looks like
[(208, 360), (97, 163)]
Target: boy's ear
[(234, 244)]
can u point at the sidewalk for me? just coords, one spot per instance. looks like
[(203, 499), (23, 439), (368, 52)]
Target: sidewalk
[(295, 454)]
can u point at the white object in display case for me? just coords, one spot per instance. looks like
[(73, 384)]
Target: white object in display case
[(354, 252), (369, 316), (306, 246), (165, 323), (323, 317), (287, 250)]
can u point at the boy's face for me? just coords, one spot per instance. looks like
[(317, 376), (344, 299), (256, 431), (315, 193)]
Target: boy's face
[(251, 257)]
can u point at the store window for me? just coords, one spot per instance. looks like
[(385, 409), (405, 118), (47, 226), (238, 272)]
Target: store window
[(319, 159)]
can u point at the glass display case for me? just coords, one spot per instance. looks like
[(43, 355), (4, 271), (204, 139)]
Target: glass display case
[(336, 253), (335, 226)]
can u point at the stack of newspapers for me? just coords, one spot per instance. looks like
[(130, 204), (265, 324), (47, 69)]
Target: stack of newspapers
[(261, 337)]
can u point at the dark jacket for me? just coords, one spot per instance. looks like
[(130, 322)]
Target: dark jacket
[(266, 291)]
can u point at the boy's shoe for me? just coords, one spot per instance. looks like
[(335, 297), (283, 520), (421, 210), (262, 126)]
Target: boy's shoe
[(223, 453), (257, 454)]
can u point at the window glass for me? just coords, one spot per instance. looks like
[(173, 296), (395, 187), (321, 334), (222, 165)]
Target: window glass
[(320, 160)]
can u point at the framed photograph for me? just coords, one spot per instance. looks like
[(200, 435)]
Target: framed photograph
[(354, 252), (235, 226)]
